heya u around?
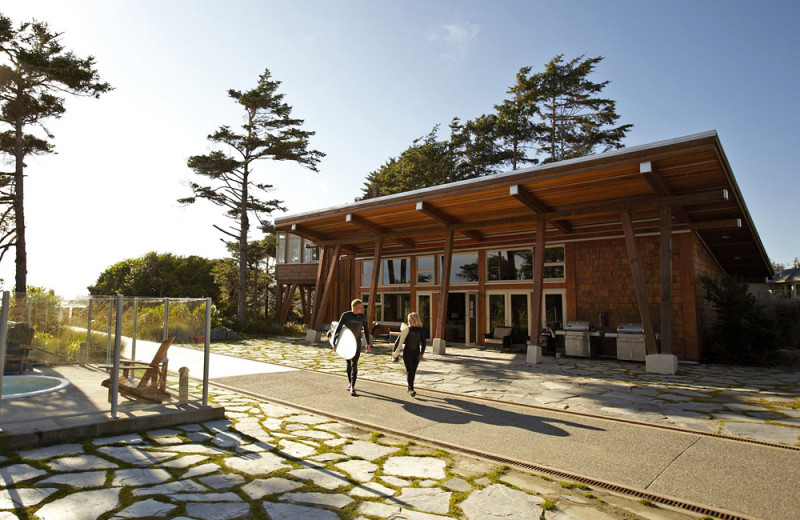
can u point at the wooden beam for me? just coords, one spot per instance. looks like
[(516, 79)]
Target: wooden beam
[(443, 218), (535, 316), (360, 221), (304, 232), (324, 258), (538, 207), (639, 283), (666, 280), (376, 274), (734, 223), (661, 188), (447, 263)]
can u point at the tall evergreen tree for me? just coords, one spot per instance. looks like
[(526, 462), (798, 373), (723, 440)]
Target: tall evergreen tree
[(35, 70), (517, 123), (575, 121), (269, 132)]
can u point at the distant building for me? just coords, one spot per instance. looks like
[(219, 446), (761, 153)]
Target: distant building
[(613, 238), (785, 284)]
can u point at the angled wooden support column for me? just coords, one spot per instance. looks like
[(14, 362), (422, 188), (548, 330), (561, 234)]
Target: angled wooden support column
[(666, 280), (324, 257), (535, 316), (534, 354), (639, 283), (287, 302), (326, 291), (376, 275), (447, 263)]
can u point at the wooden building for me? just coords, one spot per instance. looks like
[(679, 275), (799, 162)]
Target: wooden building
[(611, 238)]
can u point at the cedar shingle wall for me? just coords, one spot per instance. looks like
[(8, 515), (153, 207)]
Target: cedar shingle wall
[(604, 283)]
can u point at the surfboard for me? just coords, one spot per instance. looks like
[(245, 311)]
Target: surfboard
[(346, 345)]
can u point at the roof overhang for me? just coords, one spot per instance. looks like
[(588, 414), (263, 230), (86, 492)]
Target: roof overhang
[(579, 199)]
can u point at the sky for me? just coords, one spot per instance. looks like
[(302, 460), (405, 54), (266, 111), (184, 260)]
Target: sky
[(369, 77)]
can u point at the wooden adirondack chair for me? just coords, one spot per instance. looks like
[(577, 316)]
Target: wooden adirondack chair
[(153, 384)]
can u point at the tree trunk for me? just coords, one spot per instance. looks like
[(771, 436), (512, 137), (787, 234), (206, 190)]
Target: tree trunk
[(19, 210)]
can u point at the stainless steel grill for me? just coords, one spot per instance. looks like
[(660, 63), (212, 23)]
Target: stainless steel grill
[(577, 340), (630, 342)]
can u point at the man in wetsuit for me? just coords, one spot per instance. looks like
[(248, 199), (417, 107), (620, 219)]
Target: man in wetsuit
[(356, 321)]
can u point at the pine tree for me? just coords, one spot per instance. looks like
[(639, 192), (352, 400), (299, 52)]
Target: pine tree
[(35, 70), (269, 132)]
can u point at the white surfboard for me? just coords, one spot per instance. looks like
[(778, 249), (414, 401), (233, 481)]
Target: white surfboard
[(346, 345)]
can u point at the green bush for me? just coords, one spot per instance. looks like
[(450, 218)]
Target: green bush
[(743, 332), (786, 316)]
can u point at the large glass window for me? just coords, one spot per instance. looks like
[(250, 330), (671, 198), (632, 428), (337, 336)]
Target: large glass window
[(509, 265), (395, 271), (281, 248), (311, 255), (366, 273), (464, 267), (396, 307), (426, 269)]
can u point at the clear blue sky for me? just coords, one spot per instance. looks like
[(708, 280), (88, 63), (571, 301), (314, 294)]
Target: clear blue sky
[(369, 77)]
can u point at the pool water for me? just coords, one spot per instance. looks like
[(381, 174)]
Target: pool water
[(15, 387)]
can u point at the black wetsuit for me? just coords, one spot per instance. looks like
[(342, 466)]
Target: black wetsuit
[(356, 323), (413, 349)]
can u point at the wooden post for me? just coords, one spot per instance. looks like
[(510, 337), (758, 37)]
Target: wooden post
[(639, 283), (326, 291), (376, 273), (324, 256), (666, 280), (535, 316), (447, 263)]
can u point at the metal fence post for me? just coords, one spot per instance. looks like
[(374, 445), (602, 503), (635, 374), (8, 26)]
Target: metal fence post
[(3, 334), (115, 369), (133, 333), (166, 320), (206, 351), (89, 327)]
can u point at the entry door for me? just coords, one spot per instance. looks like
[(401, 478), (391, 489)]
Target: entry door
[(554, 308)]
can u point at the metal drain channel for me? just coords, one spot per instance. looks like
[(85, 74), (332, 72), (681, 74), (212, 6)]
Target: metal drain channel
[(660, 499)]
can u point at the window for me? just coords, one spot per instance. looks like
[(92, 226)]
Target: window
[(311, 255), (396, 307), (395, 271), (509, 265), (554, 263), (426, 266), (464, 267), (366, 273), (293, 246), (281, 248), (292, 250)]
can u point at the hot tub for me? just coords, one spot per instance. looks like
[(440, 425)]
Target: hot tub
[(15, 387)]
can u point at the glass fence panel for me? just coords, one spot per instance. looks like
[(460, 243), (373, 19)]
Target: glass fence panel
[(58, 355)]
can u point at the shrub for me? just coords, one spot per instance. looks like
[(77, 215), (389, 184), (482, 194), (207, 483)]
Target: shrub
[(743, 332)]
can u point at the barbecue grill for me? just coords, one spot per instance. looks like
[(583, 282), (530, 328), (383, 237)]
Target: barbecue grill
[(577, 339), (630, 342)]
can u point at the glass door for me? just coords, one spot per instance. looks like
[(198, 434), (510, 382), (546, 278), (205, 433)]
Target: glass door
[(424, 311)]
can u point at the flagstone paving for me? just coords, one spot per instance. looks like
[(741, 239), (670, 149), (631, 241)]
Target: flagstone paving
[(755, 403), (345, 473)]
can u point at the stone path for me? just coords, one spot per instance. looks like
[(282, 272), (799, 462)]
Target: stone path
[(270, 461), (755, 403)]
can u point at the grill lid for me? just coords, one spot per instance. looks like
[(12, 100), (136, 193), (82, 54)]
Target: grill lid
[(577, 326), (630, 328)]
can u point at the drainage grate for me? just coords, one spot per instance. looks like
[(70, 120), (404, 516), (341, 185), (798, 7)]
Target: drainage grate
[(680, 504)]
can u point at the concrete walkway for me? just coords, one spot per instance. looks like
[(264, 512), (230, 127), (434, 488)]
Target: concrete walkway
[(283, 461)]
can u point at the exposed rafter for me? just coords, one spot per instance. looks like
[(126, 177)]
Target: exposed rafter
[(537, 206), (662, 189), (379, 230), (440, 216)]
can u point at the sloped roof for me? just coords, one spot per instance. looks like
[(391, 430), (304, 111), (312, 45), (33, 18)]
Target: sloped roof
[(579, 199), (791, 275)]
